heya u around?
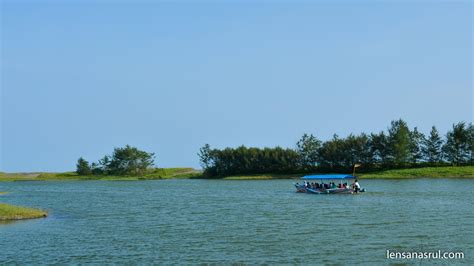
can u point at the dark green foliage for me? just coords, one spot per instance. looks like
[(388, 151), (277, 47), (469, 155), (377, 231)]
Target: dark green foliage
[(96, 169), (400, 148), (380, 148), (243, 160), (471, 142), (342, 153), (308, 150), (332, 154), (399, 139), (124, 161), (432, 148), (458, 146), (128, 161), (205, 156), (82, 167), (417, 146), (359, 148)]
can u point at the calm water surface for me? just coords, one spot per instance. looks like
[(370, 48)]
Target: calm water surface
[(208, 221)]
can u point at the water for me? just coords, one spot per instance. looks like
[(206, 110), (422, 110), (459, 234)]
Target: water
[(217, 221)]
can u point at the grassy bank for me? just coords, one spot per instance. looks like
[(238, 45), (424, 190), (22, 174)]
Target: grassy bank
[(10, 212), (263, 177), (185, 173), (431, 172), (158, 173), (426, 172)]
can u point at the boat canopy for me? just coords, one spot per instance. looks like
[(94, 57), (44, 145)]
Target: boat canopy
[(332, 176)]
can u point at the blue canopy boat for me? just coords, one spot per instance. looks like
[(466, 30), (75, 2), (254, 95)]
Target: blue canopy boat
[(322, 188)]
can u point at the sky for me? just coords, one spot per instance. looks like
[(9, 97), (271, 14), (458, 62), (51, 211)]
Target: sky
[(79, 78)]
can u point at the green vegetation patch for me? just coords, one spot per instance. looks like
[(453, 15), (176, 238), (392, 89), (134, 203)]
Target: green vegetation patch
[(263, 177), (167, 173), (156, 173), (436, 172), (10, 212)]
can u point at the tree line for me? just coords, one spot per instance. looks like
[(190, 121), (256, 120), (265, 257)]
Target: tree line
[(398, 147), (126, 161)]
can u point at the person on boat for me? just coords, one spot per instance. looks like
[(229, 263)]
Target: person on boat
[(356, 186)]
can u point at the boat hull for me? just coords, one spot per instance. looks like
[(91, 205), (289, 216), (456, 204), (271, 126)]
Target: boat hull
[(303, 189)]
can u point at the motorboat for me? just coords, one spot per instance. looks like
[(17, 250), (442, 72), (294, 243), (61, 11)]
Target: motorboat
[(327, 184)]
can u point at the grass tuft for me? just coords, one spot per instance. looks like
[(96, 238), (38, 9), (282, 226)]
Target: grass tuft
[(11, 212)]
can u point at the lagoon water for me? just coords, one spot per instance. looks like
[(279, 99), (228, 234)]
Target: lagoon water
[(218, 221)]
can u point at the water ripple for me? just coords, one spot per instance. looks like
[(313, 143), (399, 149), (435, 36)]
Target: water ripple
[(245, 222)]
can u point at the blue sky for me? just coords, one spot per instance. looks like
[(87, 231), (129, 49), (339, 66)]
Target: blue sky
[(82, 77)]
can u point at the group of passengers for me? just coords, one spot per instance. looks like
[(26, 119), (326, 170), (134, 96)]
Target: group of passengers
[(331, 185)]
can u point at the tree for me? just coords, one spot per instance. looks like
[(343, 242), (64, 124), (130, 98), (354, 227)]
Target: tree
[(358, 149), (417, 145), (205, 157), (398, 148), (243, 160), (96, 169), (332, 154), (82, 167), (380, 148), (104, 164), (128, 161), (308, 151), (399, 139), (432, 148), (457, 148), (471, 142)]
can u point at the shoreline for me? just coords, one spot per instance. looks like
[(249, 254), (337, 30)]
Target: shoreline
[(451, 172)]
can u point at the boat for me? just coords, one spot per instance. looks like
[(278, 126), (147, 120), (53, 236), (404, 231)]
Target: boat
[(339, 189)]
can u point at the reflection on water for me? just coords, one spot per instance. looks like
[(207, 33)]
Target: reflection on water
[(216, 221)]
